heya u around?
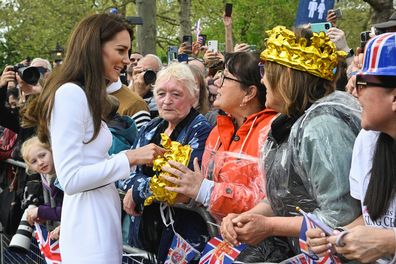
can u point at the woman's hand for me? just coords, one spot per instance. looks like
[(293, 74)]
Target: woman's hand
[(317, 242), (32, 215), (129, 204), (252, 228), (188, 182), (227, 229), (242, 47), (54, 235), (366, 244), (7, 76), (144, 155)]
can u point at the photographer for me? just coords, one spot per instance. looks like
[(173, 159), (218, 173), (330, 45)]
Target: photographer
[(144, 75), (11, 119)]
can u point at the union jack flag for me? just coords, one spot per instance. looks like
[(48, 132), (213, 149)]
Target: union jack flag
[(49, 249), (180, 251), (217, 251), (310, 257), (299, 259)]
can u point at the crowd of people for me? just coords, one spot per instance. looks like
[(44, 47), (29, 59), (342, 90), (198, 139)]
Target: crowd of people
[(306, 123)]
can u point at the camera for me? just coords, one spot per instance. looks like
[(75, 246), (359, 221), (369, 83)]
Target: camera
[(20, 242), (30, 75), (364, 38), (149, 77)]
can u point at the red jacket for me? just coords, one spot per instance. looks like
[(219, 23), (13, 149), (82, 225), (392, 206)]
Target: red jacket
[(238, 182)]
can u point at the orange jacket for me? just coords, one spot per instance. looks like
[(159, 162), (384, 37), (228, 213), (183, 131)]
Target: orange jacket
[(238, 183)]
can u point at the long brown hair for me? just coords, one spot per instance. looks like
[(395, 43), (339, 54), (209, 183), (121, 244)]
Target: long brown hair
[(297, 89), (83, 64)]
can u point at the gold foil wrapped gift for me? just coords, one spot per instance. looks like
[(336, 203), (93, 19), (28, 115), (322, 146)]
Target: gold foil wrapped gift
[(176, 152)]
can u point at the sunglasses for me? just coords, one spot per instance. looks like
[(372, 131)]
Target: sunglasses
[(383, 81)]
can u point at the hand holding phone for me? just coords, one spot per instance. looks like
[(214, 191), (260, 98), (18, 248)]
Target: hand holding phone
[(338, 13)]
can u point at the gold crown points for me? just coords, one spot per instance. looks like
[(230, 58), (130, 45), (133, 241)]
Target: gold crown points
[(319, 59)]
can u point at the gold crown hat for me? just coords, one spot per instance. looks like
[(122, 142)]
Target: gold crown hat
[(319, 59)]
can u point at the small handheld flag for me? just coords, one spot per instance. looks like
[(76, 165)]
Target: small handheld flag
[(220, 252), (180, 252), (48, 248)]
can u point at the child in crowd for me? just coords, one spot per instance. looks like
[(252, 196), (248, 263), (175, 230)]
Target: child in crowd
[(38, 159)]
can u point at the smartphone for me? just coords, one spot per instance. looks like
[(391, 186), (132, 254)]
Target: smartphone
[(328, 230), (364, 38), (338, 13), (187, 39), (202, 39), (228, 9), (172, 54), (319, 27), (213, 45)]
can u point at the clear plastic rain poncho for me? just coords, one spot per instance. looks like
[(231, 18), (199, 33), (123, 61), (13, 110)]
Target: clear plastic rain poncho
[(310, 169), (238, 183)]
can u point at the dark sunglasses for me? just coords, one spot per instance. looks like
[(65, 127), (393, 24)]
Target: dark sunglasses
[(383, 81)]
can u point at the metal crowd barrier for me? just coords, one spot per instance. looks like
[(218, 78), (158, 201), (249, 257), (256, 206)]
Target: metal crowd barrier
[(131, 255)]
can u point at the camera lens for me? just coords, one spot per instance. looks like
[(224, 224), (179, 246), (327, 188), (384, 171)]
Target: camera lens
[(327, 26), (149, 77), (30, 75)]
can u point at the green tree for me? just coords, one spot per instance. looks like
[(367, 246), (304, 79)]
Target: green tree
[(32, 28)]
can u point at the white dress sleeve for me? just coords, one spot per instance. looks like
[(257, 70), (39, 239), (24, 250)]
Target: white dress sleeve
[(362, 159), (80, 166)]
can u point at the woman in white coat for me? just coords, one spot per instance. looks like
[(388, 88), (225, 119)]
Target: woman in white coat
[(69, 116)]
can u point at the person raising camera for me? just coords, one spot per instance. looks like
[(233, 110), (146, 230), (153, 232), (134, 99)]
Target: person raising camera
[(144, 76)]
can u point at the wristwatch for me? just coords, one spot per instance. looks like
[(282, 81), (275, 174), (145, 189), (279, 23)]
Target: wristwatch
[(350, 53)]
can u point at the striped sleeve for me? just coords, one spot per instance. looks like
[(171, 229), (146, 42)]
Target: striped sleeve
[(141, 118)]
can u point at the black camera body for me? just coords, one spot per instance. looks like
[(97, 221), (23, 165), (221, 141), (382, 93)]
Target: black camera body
[(30, 75), (364, 38), (149, 77)]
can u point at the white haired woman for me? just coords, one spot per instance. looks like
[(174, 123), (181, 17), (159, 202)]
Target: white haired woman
[(175, 93)]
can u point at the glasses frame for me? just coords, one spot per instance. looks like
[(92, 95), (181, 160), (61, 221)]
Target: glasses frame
[(223, 77)]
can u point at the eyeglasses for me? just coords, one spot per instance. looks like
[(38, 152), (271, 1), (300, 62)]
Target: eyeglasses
[(364, 81), (261, 67), (223, 77)]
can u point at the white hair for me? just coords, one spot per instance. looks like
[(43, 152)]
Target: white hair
[(179, 72), (46, 62), (156, 58)]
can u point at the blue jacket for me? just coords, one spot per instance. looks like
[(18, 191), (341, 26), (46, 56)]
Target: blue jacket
[(124, 132)]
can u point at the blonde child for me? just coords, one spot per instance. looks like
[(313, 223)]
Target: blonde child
[(38, 159)]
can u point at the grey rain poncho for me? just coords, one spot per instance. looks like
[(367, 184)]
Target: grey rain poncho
[(310, 168)]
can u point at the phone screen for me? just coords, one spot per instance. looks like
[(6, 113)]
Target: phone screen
[(172, 54), (228, 9)]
